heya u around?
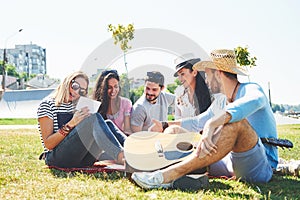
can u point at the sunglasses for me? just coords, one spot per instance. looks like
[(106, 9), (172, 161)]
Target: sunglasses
[(76, 86), (104, 73)]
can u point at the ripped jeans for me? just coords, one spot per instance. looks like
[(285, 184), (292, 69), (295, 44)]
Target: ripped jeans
[(86, 142)]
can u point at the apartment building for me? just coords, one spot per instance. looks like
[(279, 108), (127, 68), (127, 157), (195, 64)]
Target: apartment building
[(29, 58)]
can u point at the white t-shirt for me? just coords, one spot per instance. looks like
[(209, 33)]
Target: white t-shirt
[(183, 107)]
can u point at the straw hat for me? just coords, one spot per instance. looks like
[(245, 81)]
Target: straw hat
[(223, 60), (185, 61)]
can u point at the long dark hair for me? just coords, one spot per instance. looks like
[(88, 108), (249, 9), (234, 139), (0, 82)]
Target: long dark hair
[(101, 91), (202, 95)]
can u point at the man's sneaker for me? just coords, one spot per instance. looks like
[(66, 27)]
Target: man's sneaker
[(150, 180), (191, 182)]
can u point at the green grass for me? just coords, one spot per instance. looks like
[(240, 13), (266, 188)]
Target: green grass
[(18, 121), (171, 118), (23, 176)]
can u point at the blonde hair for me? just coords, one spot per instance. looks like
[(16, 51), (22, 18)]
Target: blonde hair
[(62, 92)]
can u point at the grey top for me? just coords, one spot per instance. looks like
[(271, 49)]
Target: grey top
[(143, 112)]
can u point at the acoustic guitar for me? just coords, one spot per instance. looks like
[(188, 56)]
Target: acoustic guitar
[(148, 151)]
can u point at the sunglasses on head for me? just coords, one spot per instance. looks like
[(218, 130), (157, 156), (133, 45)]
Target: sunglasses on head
[(105, 72), (76, 86)]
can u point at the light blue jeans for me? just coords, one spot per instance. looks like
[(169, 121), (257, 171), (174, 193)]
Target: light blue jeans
[(86, 142)]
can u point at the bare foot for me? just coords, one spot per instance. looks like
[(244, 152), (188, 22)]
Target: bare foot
[(121, 159)]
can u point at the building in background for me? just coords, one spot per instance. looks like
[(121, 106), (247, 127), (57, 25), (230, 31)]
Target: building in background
[(29, 58)]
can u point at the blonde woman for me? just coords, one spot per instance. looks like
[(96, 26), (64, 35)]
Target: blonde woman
[(75, 138)]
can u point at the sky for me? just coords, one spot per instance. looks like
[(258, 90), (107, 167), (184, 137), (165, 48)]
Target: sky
[(71, 30)]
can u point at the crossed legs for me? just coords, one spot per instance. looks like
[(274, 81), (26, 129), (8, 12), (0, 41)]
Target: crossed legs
[(237, 137)]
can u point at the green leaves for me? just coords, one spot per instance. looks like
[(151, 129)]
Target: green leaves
[(122, 34), (243, 57)]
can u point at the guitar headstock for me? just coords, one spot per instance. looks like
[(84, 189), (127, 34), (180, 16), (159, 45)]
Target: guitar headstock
[(283, 143)]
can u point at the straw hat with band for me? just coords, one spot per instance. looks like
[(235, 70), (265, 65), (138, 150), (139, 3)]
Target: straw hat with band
[(185, 61), (223, 60)]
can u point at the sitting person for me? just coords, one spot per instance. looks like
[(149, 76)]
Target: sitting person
[(193, 96), (75, 138), (153, 104), (113, 106), (236, 130)]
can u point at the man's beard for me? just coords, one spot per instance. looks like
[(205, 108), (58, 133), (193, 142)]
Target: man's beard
[(151, 100), (215, 86)]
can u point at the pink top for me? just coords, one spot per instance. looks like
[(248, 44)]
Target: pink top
[(125, 110)]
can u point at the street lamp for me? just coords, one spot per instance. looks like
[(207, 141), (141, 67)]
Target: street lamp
[(4, 58)]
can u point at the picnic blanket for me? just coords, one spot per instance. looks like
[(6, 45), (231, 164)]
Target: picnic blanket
[(99, 166)]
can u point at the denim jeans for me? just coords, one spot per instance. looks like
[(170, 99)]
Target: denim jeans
[(86, 142)]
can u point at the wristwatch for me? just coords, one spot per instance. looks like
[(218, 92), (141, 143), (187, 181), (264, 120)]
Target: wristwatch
[(67, 128), (164, 125)]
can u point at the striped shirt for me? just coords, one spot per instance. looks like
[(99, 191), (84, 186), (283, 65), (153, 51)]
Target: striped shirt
[(60, 115)]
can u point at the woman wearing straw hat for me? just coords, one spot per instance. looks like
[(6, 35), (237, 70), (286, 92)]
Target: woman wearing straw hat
[(235, 131)]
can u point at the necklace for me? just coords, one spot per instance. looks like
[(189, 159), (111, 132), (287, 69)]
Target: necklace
[(114, 106), (231, 99)]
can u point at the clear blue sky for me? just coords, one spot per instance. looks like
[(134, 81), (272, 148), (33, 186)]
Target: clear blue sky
[(70, 31)]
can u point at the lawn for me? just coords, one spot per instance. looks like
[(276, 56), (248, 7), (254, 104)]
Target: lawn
[(23, 176), (18, 121)]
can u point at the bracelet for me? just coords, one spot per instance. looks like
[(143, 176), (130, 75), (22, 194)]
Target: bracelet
[(65, 130), (164, 125), (62, 132)]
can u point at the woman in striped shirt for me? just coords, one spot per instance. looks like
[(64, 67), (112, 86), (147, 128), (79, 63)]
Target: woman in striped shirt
[(76, 138)]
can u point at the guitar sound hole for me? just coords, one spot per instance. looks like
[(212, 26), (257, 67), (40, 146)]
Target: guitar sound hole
[(184, 146)]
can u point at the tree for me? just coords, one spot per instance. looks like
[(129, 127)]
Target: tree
[(172, 87), (123, 78), (11, 71), (135, 94), (24, 76), (275, 107), (243, 57), (123, 35)]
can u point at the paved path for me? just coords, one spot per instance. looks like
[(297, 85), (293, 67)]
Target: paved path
[(279, 120), (285, 120)]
